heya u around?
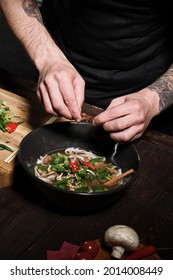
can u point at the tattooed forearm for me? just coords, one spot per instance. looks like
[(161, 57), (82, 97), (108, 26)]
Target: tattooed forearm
[(31, 9), (164, 87)]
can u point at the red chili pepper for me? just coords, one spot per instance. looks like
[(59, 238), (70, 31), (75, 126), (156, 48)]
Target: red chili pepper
[(89, 165), (10, 127), (141, 253), (74, 165), (73, 161), (75, 168)]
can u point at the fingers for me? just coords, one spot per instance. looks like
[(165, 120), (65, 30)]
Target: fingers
[(125, 128), (127, 135), (119, 111), (69, 95), (125, 119), (79, 87), (62, 95), (52, 100), (122, 123)]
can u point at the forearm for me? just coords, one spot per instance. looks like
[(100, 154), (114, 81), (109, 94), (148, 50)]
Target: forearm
[(164, 88), (25, 20)]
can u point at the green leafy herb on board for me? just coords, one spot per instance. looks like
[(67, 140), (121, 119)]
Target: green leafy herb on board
[(8, 121)]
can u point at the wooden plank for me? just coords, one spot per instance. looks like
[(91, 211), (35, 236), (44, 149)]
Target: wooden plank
[(33, 116), (158, 138)]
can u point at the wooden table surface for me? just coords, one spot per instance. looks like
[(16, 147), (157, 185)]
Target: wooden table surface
[(29, 226)]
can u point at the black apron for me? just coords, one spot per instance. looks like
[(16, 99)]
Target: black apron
[(118, 46)]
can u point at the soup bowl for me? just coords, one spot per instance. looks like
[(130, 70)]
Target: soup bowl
[(58, 136)]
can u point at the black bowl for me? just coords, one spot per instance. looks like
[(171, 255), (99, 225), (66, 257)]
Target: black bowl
[(59, 136)]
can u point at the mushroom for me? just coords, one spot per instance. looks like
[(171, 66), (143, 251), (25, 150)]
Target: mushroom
[(121, 238)]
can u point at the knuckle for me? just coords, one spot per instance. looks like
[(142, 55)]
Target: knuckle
[(126, 136), (123, 137), (62, 74), (119, 125), (47, 79), (141, 116), (69, 101), (106, 126), (136, 105)]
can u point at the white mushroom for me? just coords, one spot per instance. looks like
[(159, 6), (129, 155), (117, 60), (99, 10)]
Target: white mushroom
[(121, 238)]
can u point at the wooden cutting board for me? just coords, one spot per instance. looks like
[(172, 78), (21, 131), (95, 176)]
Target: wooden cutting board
[(33, 115)]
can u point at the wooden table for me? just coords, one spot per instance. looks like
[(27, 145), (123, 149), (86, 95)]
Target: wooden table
[(29, 226)]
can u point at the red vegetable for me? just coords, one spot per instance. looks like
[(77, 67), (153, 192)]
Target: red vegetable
[(73, 161), (47, 159), (141, 253), (10, 127), (89, 165), (90, 246), (75, 168), (74, 165)]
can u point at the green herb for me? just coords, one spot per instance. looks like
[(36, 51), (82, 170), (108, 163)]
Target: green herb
[(7, 116), (97, 159), (82, 189), (61, 182), (4, 147), (42, 167)]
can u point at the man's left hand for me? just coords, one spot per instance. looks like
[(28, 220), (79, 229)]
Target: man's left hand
[(127, 117)]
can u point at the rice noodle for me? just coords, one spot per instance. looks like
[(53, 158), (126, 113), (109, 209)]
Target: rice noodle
[(79, 153)]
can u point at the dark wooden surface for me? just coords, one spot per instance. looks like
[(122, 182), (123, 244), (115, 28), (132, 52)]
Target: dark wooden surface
[(29, 226)]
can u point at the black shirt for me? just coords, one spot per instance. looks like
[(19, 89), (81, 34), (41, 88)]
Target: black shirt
[(118, 46)]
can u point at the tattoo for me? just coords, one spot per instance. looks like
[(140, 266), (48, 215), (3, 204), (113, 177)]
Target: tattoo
[(164, 87), (32, 10)]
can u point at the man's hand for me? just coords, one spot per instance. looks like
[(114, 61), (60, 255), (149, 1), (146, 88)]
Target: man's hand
[(61, 89), (127, 117)]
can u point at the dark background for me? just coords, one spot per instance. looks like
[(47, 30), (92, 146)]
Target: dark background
[(12, 55)]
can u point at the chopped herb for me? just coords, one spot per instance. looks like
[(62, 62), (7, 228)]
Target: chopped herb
[(7, 118)]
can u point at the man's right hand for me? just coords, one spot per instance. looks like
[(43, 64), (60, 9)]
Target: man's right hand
[(61, 89)]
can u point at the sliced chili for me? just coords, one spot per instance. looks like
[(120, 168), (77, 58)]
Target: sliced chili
[(74, 165), (89, 165)]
